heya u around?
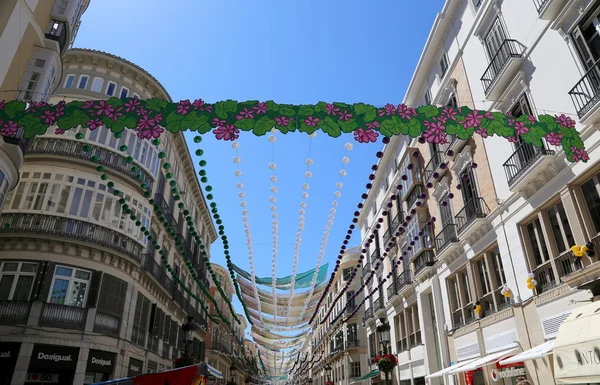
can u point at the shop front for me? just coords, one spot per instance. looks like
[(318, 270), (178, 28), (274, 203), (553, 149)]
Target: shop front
[(577, 347), (100, 366), (9, 352), (135, 367), (52, 364)]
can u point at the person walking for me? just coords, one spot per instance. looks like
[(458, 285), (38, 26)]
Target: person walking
[(523, 381)]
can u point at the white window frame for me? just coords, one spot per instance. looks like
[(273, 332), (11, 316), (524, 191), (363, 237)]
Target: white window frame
[(108, 84), (123, 88), (17, 274), (427, 97), (79, 82), (71, 280), (96, 78), (444, 60), (69, 77), (136, 95)]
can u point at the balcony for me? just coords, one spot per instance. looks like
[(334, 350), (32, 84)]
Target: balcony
[(17, 139), (446, 241), (14, 312), (58, 33), (391, 290), (501, 68), (156, 271), (402, 345), (378, 305), (403, 280), (63, 316), (423, 262), (107, 324), (352, 344), (74, 149), (586, 95), (375, 255), (525, 164), (369, 313), (414, 196), (472, 218), (548, 9), (61, 227), (433, 166)]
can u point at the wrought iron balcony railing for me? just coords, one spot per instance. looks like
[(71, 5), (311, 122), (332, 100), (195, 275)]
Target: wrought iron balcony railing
[(107, 324), (474, 209), (74, 149), (63, 316), (508, 50), (58, 32), (540, 4), (522, 159), (14, 312), (40, 224), (423, 260), (445, 237), (155, 270), (437, 157), (403, 279), (586, 93)]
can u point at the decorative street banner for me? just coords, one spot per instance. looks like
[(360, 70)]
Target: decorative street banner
[(282, 299), (226, 119), (303, 280)]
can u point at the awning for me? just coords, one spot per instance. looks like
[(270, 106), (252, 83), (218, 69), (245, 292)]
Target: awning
[(445, 371), (214, 371), (531, 354), (373, 373), (577, 347), (478, 363)]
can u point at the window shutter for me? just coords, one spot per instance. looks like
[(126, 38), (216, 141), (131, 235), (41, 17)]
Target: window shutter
[(46, 281), (202, 353), (161, 324), (173, 336), (167, 329), (36, 291), (94, 289), (153, 316)]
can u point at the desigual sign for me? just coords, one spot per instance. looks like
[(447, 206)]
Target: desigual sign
[(53, 356), (100, 361), (497, 375)]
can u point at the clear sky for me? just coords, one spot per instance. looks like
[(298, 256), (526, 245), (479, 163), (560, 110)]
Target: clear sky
[(289, 51)]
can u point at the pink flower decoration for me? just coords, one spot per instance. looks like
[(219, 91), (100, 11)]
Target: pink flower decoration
[(554, 139), (157, 118), (2, 104), (48, 117), (218, 122), (345, 116), (511, 121), (282, 121), (9, 128), (60, 108), (443, 119), (198, 104), (390, 109), (93, 124), (578, 154), (512, 139), (227, 132), (245, 114), (35, 105), (59, 131), (473, 119), (380, 112), (406, 112), (145, 122), (183, 107), (532, 119), (311, 121), (482, 132), (488, 115), (152, 132), (87, 105), (331, 109), (520, 128), (132, 104), (104, 109), (142, 111), (564, 121), (436, 133), (117, 114), (365, 136), (449, 113), (373, 124), (260, 108)]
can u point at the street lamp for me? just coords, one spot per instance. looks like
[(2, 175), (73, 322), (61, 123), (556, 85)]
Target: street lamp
[(188, 334), (309, 381), (232, 372), (328, 370), (383, 331)]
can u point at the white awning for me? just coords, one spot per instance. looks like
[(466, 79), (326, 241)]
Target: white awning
[(445, 371), (531, 354), (214, 371), (577, 347), (478, 363)]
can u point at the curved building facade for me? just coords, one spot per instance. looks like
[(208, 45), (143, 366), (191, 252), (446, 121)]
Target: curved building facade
[(78, 278)]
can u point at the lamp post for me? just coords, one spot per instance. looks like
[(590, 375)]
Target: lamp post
[(383, 331), (309, 381), (188, 335), (328, 370), (232, 372)]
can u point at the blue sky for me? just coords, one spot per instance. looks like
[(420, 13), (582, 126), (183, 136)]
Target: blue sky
[(287, 51)]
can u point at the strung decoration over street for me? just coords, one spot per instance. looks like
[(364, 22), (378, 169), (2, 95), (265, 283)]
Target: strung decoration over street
[(227, 119)]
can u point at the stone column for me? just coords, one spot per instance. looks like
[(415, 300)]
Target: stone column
[(81, 366), (22, 364)]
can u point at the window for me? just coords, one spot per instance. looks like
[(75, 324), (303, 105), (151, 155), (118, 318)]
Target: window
[(110, 89), (112, 296), (347, 273), (70, 286), (494, 39), (97, 84), (83, 79), (124, 92), (30, 88), (69, 81), (591, 192), (355, 370), (140, 320), (461, 304), (443, 65), (427, 98), (136, 95), (16, 280), (453, 101), (489, 281), (561, 230)]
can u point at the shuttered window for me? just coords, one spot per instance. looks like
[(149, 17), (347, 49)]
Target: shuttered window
[(112, 296), (141, 318)]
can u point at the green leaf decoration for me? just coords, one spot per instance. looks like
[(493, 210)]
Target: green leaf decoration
[(259, 118)]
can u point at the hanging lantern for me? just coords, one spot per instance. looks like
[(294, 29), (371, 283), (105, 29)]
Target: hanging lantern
[(531, 282), (576, 249), (506, 292)]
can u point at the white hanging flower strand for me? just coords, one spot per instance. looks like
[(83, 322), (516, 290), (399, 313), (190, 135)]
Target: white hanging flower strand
[(301, 218), (339, 185), (275, 222), (242, 195)]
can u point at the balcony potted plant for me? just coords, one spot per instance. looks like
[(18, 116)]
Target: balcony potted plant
[(386, 362)]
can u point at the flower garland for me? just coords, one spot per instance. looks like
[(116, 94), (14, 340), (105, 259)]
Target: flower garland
[(226, 119), (275, 224)]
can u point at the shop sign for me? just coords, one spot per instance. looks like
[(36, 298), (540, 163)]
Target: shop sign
[(42, 378), (9, 352), (497, 374), (54, 357), (100, 361), (134, 368)]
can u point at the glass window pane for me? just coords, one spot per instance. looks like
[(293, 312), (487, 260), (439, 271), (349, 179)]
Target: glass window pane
[(5, 286), (29, 267), (77, 294), (87, 201), (10, 266), (75, 202), (59, 291), (23, 288), (592, 199), (79, 274), (64, 198), (64, 271)]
